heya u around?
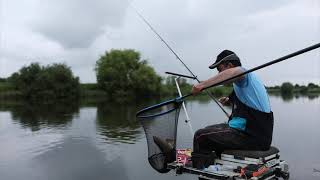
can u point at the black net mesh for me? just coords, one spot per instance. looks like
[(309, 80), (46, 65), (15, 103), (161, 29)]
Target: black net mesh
[(160, 126)]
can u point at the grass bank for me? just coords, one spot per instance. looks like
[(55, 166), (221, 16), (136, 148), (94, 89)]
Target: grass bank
[(92, 91)]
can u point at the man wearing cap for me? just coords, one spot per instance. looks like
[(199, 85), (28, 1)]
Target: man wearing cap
[(250, 125)]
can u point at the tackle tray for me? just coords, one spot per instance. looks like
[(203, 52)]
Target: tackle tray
[(243, 158), (240, 158)]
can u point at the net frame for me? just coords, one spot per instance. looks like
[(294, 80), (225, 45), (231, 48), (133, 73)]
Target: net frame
[(176, 101)]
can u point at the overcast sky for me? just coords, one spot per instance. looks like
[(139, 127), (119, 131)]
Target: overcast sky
[(77, 32)]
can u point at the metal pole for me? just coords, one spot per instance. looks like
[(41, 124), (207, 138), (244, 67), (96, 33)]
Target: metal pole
[(184, 107)]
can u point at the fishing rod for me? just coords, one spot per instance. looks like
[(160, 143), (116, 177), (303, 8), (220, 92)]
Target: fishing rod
[(180, 75), (310, 48), (176, 55), (142, 113)]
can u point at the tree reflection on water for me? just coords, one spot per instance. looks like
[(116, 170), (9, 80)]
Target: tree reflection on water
[(288, 97), (117, 123), (38, 115)]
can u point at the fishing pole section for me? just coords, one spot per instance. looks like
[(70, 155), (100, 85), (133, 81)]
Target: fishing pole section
[(310, 48), (187, 121), (176, 55), (302, 51)]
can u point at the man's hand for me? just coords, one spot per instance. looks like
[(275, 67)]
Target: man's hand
[(225, 101), (196, 89)]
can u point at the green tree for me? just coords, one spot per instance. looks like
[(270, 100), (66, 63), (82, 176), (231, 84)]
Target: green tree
[(171, 88), (122, 74), (14, 79), (312, 85), (303, 89), (3, 80), (50, 82), (286, 88)]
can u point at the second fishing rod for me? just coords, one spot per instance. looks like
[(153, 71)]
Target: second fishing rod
[(176, 55), (181, 99), (310, 48)]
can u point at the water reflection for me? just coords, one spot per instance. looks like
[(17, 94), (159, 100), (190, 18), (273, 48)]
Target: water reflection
[(313, 96), (36, 115), (100, 140), (117, 123), (201, 99), (288, 97), (77, 159)]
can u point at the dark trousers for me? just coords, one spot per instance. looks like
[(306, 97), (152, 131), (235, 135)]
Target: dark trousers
[(220, 137)]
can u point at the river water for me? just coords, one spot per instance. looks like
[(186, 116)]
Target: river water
[(97, 140)]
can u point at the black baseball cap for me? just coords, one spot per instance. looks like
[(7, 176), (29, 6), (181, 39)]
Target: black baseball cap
[(225, 55)]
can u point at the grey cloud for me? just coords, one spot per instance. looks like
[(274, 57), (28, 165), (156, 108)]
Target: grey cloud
[(76, 24), (185, 23), (200, 30), (78, 31)]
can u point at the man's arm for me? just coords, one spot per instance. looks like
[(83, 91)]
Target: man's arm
[(218, 78)]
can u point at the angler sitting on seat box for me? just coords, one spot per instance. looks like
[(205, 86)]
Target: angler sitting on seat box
[(250, 125)]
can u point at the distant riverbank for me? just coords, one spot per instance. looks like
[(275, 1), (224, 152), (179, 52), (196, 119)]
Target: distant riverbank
[(92, 91), (122, 76)]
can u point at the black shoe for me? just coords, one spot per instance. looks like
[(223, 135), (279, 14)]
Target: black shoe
[(202, 160)]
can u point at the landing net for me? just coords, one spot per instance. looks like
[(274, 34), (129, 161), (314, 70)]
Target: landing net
[(160, 125)]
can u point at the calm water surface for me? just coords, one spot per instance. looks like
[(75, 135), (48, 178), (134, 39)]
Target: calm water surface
[(104, 141)]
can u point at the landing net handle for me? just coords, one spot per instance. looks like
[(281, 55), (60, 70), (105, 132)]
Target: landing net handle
[(180, 94)]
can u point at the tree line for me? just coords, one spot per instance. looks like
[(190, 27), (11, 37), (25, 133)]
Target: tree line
[(36, 82), (290, 88), (121, 75)]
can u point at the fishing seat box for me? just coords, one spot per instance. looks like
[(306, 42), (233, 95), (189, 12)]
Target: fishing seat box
[(237, 159), (245, 157)]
